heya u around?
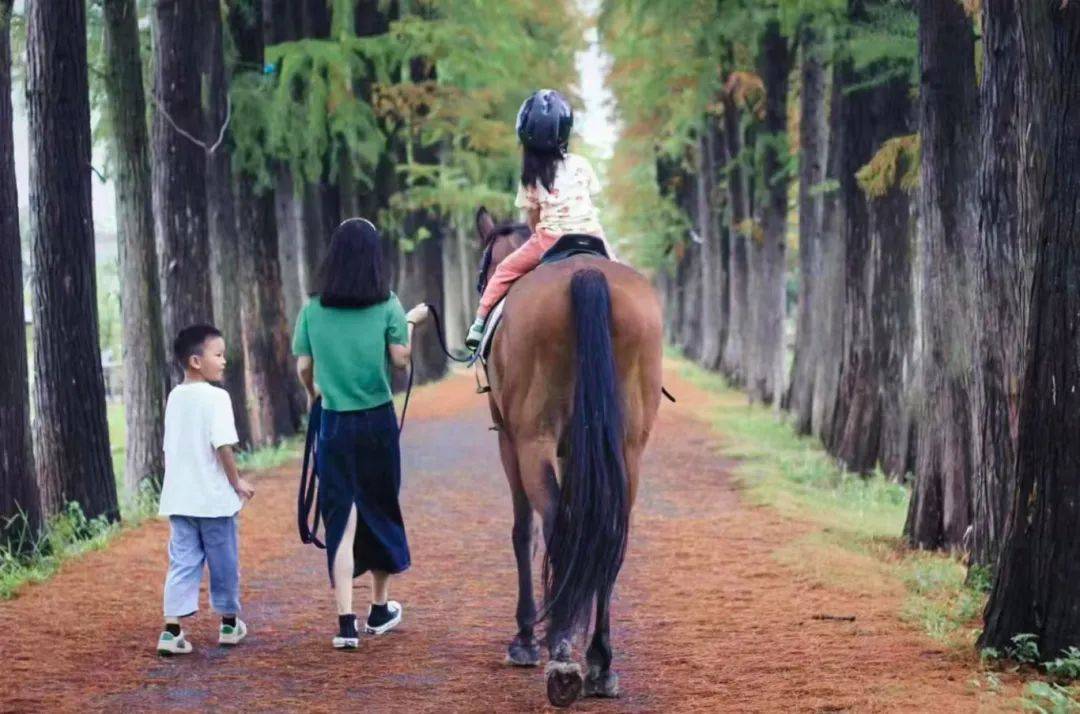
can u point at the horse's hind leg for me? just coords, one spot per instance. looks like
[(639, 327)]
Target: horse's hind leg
[(601, 681), (523, 650), (537, 462)]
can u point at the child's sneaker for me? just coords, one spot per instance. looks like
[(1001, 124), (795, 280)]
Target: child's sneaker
[(232, 634), (347, 637), (383, 618), (170, 644), (476, 334)]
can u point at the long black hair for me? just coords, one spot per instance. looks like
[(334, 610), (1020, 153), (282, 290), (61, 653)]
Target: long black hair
[(353, 274), (538, 167)]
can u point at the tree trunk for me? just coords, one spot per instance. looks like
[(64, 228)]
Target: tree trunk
[(18, 486), (146, 370), (940, 508), (827, 343), (313, 238), (734, 361), (768, 296), (288, 209), (1002, 281), (713, 271), (72, 435), (892, 235), (179, 168), (690, 329), (272, 408), (877, 303), (421, 280), (813, 133), (456, 317), (221, 218), (1038, 583)]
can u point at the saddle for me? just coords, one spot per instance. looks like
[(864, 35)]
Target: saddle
[(568, 246)]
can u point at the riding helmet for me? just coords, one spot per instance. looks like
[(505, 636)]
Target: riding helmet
[(544, 121)]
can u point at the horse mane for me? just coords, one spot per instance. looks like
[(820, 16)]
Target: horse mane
[(503, 230)]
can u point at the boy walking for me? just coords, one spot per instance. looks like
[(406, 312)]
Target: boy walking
[(202, 491)]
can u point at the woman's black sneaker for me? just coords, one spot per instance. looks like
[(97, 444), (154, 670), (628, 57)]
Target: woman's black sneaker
[(383, 618), (347, 637)]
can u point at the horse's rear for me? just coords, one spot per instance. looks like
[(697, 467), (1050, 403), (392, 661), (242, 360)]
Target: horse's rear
[(575, 374)]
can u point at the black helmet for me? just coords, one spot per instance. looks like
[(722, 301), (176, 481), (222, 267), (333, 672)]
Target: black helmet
[(544, 121)]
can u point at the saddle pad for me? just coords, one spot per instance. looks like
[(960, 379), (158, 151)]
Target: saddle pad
[(572, 244), (489, 331)]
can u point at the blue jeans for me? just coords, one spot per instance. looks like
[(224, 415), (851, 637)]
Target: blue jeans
[(193, 542)]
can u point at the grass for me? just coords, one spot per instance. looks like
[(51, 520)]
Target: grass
[(70, 534), (860, 518)]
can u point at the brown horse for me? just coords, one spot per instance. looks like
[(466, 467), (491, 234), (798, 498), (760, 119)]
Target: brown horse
[(575, 375)]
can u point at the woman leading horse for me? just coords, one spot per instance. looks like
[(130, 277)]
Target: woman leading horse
[(575, 375)]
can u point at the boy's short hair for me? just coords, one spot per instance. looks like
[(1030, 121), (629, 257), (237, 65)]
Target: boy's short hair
[(190, 342)]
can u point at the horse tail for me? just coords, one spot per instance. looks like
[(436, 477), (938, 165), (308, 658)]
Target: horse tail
[(588, 540)]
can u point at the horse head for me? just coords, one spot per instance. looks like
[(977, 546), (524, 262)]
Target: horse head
[(498, 241)]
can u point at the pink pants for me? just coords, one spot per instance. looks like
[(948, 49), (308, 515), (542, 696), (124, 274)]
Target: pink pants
[(518, 263)]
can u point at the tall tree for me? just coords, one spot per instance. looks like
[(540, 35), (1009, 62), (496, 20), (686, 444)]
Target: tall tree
[(272, 413), (813, 134), (1038, 584), (831, 257), (1002, 286), (145, 366), (224, 248), (940, 509), (735, 349), (18, 486), (72, 435), (179, 166), (768, 256), (714, 314)]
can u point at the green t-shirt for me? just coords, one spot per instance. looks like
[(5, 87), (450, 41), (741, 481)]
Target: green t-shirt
[(349, 346)]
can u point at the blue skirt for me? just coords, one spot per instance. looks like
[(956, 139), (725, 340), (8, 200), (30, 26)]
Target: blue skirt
[(359, 462)]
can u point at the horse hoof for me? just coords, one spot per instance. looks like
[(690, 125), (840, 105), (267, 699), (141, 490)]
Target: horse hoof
[(523, 653), (601, 684), (564, 683)]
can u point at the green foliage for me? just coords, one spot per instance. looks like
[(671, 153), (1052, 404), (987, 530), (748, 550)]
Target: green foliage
[(942, 600), (35, 558), (896, 163), (1067, 666), (1024, 648), (1049, 698)]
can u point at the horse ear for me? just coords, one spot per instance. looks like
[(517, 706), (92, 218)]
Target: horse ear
[(485, 224)]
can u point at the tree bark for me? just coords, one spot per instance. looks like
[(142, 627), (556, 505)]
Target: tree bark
[(830, 258), (272, 409), (877, 304), (813, 133), (713, 269), (179, 168), (18, 485), (221, 217), (768, 296), (146, 369), (288, 209), (734, 364), (940, 508), (1002, 280), (1038, 585), (690, 329), (72, 435)]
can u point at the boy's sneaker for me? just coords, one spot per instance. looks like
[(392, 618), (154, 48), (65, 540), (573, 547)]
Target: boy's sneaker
[(170, 644), (383, 619), (232, 634)]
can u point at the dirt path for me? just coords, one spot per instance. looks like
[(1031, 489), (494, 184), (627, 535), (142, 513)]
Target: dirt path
[(706, 618)]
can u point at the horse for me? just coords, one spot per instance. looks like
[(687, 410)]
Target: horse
[(575, 383)]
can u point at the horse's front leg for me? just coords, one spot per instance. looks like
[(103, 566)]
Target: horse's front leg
[(523, 650)]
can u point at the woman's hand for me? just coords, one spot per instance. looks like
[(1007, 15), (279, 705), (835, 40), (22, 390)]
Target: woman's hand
[(312, 397), (418, 314)]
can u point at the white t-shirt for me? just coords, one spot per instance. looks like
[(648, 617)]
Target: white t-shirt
[(568, 206), (198, 420)]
